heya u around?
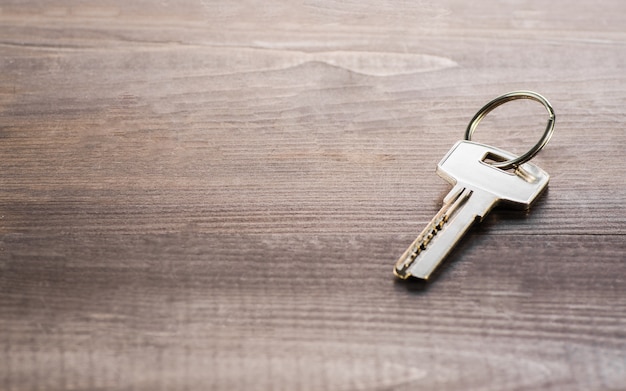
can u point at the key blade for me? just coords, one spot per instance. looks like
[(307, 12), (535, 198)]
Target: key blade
[(444, 231), (456, 197)]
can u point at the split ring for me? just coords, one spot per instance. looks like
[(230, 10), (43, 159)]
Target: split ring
[(486, 109)]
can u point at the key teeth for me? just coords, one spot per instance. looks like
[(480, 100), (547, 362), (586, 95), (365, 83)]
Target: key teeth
[(421, 243)]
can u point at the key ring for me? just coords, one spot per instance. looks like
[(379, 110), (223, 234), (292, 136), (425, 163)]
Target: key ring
[(486, 109)]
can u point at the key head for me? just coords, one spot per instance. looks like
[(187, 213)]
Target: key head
[(465, 166)]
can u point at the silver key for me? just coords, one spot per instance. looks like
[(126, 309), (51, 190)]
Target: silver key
[(478, 187)]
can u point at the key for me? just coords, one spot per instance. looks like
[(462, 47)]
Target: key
[(478, 188)]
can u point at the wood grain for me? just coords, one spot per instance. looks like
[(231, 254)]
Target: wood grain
[(210, 195)]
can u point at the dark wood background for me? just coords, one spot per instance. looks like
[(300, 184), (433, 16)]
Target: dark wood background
[(210, 195)]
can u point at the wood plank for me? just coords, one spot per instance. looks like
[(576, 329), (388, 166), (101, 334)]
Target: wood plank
[(211, 195)]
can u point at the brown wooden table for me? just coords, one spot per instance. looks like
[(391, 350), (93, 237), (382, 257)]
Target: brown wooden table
[(210, 195)]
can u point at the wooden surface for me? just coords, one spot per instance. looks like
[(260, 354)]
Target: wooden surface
[(210, 195)]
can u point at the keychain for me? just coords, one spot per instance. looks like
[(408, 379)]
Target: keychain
[(482, 177)]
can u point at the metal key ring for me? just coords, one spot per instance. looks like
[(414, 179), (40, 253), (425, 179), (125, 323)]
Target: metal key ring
[(486, 109)]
